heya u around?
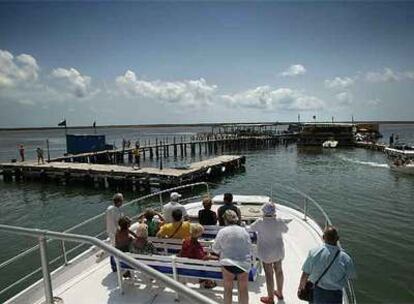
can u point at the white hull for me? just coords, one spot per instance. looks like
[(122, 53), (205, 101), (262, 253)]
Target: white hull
[(407, 169), (330, 144)]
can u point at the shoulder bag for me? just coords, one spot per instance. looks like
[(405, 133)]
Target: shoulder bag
[(306, 294)]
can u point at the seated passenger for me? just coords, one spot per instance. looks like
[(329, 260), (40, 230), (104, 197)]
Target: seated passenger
[(167, 209), (178, 229), (228, 205), (123, 239), (153, 223), (206, 216), (141, 245), (192, 249)]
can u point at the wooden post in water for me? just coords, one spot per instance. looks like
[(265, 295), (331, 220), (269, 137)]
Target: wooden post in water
[(175, 148), (156, 149)]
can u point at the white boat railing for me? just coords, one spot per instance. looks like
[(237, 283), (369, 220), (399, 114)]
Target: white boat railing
[(43, 235), (11, 289), (305, 209)]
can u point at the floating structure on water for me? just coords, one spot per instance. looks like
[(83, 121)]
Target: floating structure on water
[(117, 176)]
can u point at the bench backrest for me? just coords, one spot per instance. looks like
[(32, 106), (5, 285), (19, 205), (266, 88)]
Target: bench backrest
[(187, 268)]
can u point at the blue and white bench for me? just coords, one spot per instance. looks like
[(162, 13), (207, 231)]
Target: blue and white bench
[(190, 270)]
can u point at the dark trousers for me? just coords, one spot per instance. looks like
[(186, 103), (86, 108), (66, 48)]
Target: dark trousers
[(324, 296)]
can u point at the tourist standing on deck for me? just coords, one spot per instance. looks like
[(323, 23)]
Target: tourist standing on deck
[(270, 249), (40, 157), (228, 205), (233, 244), (113, 215), (21, 152), (172, 205), (328, 267)]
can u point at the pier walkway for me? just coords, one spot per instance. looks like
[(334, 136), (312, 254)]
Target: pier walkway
[(107, 175)]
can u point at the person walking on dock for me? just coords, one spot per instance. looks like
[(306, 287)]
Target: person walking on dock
[(172, 205), (21, 152), (327, 268), (113, 214), (40, 158)]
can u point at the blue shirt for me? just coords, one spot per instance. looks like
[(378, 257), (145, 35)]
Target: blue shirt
[(337, 275)]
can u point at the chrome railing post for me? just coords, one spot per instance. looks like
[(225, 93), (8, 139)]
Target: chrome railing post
[(305, 209), (65, 257), (47, 282), (161, 203)]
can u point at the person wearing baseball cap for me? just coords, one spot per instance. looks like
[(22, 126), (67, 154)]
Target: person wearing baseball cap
[(172, 205)]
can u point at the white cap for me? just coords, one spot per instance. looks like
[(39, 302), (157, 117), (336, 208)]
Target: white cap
[(175, 196)]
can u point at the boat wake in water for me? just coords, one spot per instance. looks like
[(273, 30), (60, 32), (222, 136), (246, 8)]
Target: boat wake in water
[(367, 163)]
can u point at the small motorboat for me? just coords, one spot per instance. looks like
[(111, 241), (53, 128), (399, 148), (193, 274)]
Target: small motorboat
[(401, 158), (330, 143)]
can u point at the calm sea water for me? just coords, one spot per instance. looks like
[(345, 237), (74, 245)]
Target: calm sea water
[(372, 205)]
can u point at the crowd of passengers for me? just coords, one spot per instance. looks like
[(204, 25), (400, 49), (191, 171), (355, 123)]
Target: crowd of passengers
[(328, 267)]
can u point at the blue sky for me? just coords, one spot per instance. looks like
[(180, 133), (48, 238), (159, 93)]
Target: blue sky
[(182, 62)]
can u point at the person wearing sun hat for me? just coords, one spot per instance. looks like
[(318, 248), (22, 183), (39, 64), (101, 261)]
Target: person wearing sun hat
[(270, 249)]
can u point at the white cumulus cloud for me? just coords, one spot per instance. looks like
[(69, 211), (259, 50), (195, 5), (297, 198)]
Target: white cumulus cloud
[(339, 83), (268, 98), (294, 70), (187, 92), (387, 75), (73, 81), (15, 70), (344, 98)]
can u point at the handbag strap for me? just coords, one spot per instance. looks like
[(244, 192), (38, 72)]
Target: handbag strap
[(327, 268), (176, 230)]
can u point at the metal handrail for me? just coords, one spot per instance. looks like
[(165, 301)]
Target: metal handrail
[(43, 234), (349, 287), (65, 252)]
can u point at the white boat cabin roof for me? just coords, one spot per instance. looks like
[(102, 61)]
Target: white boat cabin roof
[(243, 199)]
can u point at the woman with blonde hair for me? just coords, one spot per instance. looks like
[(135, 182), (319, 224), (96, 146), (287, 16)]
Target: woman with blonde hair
[(141, 244)]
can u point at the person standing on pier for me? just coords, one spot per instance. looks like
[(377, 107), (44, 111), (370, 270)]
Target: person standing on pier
[(21, 152), (40, 157), (113, 214), (392, 140)]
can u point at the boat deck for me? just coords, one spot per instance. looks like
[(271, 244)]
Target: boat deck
[(88, 281)]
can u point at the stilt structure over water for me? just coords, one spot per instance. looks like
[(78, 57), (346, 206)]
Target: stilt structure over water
[(116, 176), (179, 147)]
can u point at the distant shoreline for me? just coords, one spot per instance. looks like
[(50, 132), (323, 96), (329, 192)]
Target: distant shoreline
[(189, 125)]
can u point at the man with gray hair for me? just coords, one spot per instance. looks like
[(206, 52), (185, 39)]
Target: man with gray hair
[(172, 205), (113, 214)]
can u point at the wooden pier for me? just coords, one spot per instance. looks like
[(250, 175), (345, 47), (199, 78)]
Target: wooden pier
[(116, 176), (371, 146), (212, 144)]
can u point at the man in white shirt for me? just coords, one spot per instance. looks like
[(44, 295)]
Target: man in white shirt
[(173, 204), (113, 214)]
